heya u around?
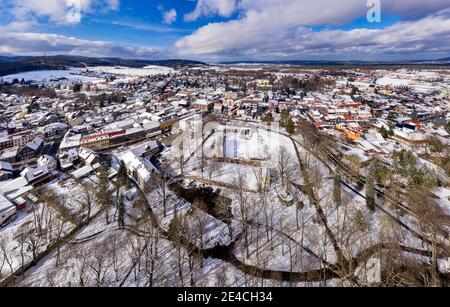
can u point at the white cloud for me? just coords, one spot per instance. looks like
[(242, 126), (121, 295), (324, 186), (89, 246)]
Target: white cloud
[(35, 44), (54, 10), (425, 37), (224, 8), (169, 16), (263, 29), (282, 28)]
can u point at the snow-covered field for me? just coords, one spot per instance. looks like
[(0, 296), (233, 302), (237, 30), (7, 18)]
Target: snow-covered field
[(80, 74), (393, 81), (42, 76), (133, 72)]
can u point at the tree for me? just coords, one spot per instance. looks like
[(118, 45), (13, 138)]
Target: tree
[(180, 161), (370, 194), (405, 162), (378, 171), (77, 88), (86, 200), (214, 166), (122, 211), (435, 144), (5, 252), (243, 202), (268, 118), (152, 261), (161, 182), (122, 175), (337, 193), (384, 132), (423, 177), (103, 194), (284, 167), (100, 264), (290, 127), (284, 117)]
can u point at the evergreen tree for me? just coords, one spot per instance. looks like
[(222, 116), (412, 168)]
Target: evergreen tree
[(122, 175), (370, 194), (103, 194), (121, 212), (448, 127), (384, 132), (77, 88), (284, 117), (268, 118), (290, 127), (391, 131)]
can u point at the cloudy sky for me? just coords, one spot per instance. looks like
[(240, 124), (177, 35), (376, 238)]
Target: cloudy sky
[(220, 30)]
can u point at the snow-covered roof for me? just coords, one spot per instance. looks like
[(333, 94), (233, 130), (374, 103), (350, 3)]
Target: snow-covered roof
[(13, 185), (33, 173), (5, 166), (146, 147), (35, 144), (5, 204), (82, 172)]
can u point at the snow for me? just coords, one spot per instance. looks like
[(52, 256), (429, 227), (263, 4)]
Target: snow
[(393, 81), (133, 72), (42, 76)]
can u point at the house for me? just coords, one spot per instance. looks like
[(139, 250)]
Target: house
[(88, 156), (410, 138), (30, 150), (68, 158), (37, 175), (218, 107), (138, 164), (15, 189), (9, 155), (203, 105), (6, 171), (16, 140), (85, 171), (48, 161), (54, 130)]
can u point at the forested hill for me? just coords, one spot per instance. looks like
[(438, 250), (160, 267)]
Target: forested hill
[(13, 65)]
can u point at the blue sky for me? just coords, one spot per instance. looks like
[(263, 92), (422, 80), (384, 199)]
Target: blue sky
[(219, 30)]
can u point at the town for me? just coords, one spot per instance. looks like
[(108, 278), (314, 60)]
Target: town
[(225, 175)]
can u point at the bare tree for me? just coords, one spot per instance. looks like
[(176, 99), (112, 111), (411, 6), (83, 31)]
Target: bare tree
[(180, 161), (133, 249), (21, 240), (242, 199), (262, 176), (80, 258), (285, 167), (60, 226), (4, 240), (151, 255), (161, 182), (86, 200), (99, 264), (214, 167)]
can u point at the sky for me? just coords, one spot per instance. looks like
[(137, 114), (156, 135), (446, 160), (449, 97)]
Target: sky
[(228, 30)]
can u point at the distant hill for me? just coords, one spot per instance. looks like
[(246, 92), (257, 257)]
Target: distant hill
[(13, 65), (342, 63), (10, 58)]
